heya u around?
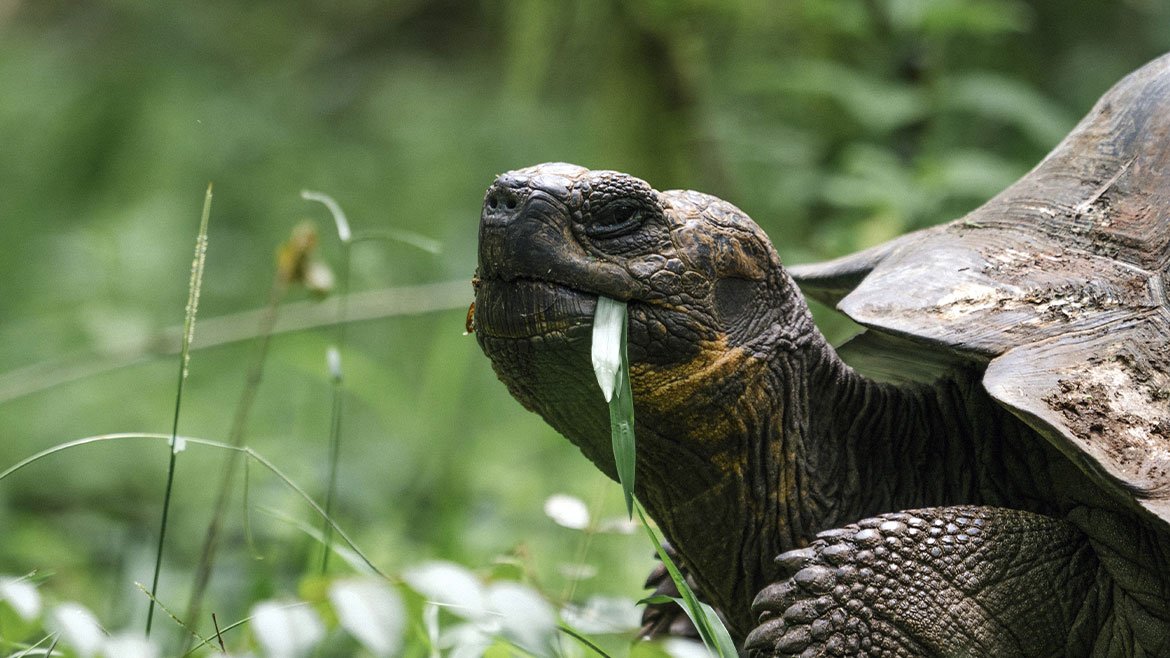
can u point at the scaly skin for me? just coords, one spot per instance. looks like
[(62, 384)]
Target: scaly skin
[(752, 435)]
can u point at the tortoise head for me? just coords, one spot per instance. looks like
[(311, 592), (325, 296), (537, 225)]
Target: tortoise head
[(708, 306)]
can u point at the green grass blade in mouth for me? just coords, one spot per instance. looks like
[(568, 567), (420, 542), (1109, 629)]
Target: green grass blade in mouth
[(609, 326), (612, 368)]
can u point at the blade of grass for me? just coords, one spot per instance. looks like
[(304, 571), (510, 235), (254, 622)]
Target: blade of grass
[(30, 648), (612, 368), (621, 422), (154, 601), (576, 635), (429, 245), (711, 629), (347, 239), (351, 558), (100, 438), (193, 288), (219, 631), (249, 452), (610, 317), (237, 327)]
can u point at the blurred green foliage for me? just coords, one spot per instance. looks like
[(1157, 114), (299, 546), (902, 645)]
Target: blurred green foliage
[(835, 124)]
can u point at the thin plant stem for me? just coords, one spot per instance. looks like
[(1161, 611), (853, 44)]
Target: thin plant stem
[(154, 601), (192, 310), (29, 648), (243, 450), (355, 561), (573, 633), (219, 632), (711, 629), (249, 538), (429, 245), (235, 440), (336, 413), (345, 235), (348, 238), (216, 331), (586, 540), (162, 533)]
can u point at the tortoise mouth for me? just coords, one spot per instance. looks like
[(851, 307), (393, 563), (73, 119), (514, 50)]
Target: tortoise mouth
[(532, 308)]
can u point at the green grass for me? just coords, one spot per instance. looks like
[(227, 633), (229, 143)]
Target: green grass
[(192, 310), (612, 367), (329, 619)]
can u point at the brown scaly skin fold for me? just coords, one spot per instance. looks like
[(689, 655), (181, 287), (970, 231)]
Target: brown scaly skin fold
[(753, 436)]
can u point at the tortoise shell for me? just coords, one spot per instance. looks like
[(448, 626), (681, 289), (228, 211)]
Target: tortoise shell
[(1058, 285)]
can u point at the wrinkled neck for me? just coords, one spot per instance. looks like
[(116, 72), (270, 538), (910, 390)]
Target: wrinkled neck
[(879, 447), (729, 485)]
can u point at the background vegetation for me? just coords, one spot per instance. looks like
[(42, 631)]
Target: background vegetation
[(835, 124)]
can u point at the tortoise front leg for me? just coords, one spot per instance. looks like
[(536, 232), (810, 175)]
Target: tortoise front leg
[(944, 581)]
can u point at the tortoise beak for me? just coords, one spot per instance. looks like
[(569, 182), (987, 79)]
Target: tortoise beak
[(521, 232), (525, 232), (523, 235)]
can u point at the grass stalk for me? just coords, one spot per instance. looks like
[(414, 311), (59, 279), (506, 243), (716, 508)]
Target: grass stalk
[(154, 601), (348, 238), (193, 288), (612, 367), (216, 331), (711, 629), (244, 451), (576, 635), (336, 413), (337, 383)]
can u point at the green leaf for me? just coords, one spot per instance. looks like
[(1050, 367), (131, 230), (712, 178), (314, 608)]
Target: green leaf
[(658, 599), (711, 629), (610, 318)]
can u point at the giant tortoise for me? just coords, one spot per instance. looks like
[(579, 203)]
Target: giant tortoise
[(989, 476)]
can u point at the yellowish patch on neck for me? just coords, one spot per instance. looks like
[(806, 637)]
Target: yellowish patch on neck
[(693, 392)]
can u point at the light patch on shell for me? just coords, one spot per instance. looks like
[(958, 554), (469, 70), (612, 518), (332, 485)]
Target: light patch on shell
[(1127, 399), (608, 323), (1012, 257), (1114, 410), (968, 298)]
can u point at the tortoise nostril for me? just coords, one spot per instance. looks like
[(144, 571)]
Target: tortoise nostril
[(502, 198)]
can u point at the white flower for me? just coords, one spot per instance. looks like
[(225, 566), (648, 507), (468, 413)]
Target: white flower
[(371, 611), (22, 596), (78, 627), (286, 630), (567, 511)]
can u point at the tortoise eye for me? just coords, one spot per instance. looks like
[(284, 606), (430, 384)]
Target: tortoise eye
[(615, 219)]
